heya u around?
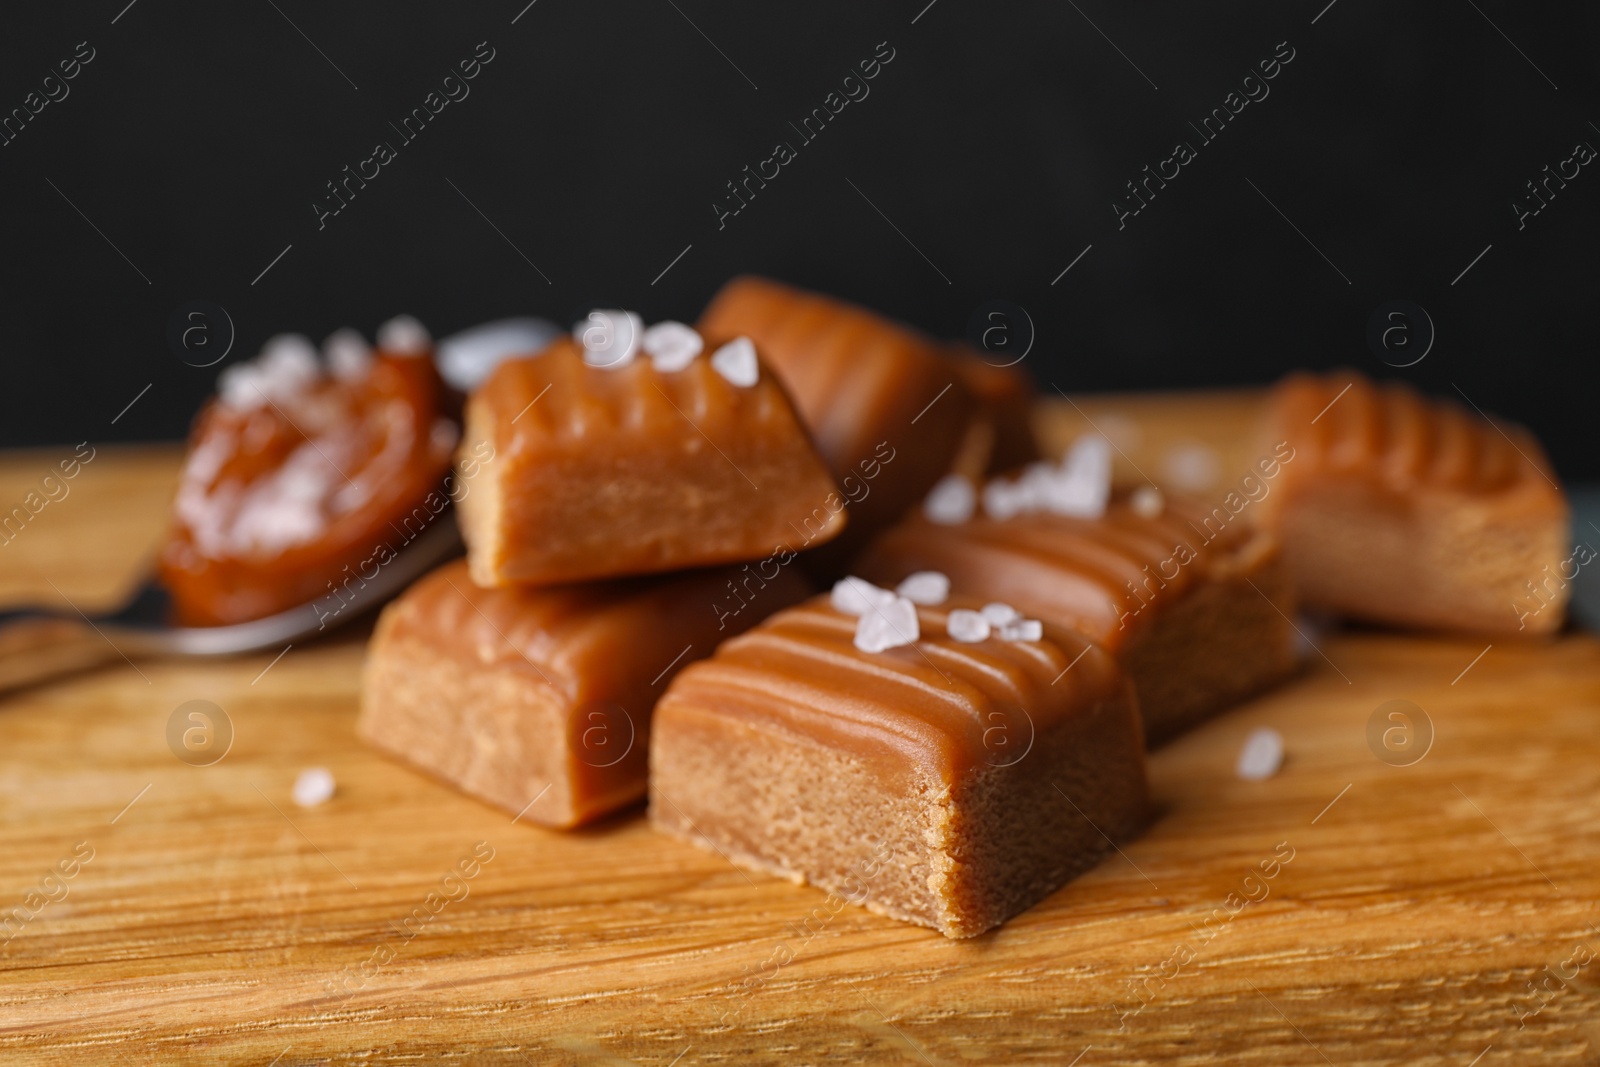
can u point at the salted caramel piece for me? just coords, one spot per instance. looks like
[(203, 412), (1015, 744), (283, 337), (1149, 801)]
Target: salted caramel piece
[(538, 700), (606, 465), (947, 783), (889, 411), (1191, 601), (1000, 436), (1402, 509), (299, 474)]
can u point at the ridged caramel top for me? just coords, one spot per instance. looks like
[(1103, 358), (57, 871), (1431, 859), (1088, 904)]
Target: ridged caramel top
[(1106, 578), (574, 403), (1394, 437), (850, 370), (592, 641), (934, 705)]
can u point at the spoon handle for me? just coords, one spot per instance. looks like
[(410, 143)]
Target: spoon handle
[(35, 648)]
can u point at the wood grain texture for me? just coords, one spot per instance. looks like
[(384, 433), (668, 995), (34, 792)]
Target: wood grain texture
[(218, 922)]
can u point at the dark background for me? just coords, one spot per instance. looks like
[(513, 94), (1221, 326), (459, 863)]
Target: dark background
[(599, 136)]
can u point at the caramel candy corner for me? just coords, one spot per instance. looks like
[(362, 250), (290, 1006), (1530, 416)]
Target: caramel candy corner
[(597, 472), (1401, 509), (1001, 435), (538, 700), (868, 388), (1194, 603), (942, 783)]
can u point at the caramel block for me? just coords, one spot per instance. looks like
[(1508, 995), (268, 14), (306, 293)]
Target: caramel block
[(941, 783), (890, 413), (540, 698), (1170, 596), (1401, 509), (600, 472), (1001, 435)]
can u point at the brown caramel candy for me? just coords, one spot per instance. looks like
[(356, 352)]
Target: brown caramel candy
[(1185, 599), (296, 477), (1402, 509), (1000, 437), (890, 413), (943, 783), (608, 471), (538, 700)]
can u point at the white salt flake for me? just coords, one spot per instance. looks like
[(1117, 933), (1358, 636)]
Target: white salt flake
[(1191, 466), (1022, 630), (610, 337), (1261, 756), (314, 786), (1082, 484), (672, 346), (467, 358), (999, 614), (967, 626), (951, 501), (348, 354), (1002, 499), (925, 587), (856, 596), (1147, 502), (888, 626), (404, 336), (239, 387), (287, 364), (736, 361)]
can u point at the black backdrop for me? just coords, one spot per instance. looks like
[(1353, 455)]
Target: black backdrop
[(587, 155)]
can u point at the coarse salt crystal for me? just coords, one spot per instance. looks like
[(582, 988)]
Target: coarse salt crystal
[(999, 614), (736, 361), (1022, 630), (1002, 499), (1082, 485), (467, 358), (348, 354), (314, 786), (239, 387), (1191, 466), (925, 587), (610, 337), (1261, 756), (1147, 502), (952, 500), (404, 336), (287, 364), (856, 596), (672, 346), (888, 626), (967, 626)]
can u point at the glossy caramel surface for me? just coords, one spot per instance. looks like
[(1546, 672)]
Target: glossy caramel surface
[(1344, 425), (933, 704), (277, 502), (589, 641), (602, 472), (1106, 578), (863, 383)]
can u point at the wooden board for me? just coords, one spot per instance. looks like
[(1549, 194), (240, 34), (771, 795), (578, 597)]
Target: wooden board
[(218, 922)]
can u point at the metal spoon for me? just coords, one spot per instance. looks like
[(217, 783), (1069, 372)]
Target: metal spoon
[(38, 644)]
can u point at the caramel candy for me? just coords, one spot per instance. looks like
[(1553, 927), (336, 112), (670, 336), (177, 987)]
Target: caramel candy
[(1401, 509), (538, 700), (943, 782), (1000, 437), (890, 413), (1166, 589), (298, 473), (609, 470)]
